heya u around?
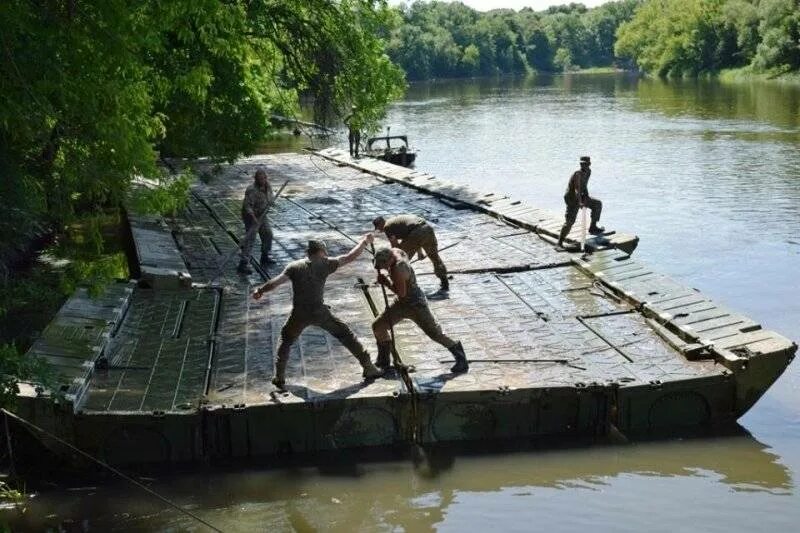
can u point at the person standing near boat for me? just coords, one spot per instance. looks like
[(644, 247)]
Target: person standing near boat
[(353, 123), (257, 199), (576, 197), (410, 303), (412, 234), (308, 278)]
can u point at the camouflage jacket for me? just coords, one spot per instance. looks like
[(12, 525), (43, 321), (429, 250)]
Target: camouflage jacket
[(256, 200)]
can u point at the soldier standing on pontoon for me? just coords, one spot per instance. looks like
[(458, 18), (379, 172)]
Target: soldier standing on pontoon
[(353, 123), (412, 234), (257, 199), (410, 303), (308, 278), (576, 197)]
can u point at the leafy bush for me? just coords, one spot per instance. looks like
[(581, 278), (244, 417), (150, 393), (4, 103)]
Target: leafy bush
[(166, 196)]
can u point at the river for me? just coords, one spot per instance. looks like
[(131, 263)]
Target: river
[(708, 175)]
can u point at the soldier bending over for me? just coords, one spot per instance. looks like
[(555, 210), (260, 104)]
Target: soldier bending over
[(411, 233), (410, 303), (257, 198), (577, 196), (308, 306)]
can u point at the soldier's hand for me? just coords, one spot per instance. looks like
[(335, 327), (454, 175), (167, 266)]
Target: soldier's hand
[(257, 293), (383, 280), (370, 238)]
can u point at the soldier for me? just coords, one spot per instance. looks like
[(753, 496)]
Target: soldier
[(353, 123), (577, 196), (412, 234), (257, 198), (410, 303), (308, 306)]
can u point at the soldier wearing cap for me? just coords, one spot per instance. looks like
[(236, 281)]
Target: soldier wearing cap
[(413, 234), (308, 278), (577, 196), (257, 199), (410, 303)]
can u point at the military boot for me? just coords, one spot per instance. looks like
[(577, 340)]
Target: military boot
[(370, 371), (445, 283), (461, 365), (384, 352), (244, 267), (265, 260), (562, 236), (279, 377), (594, 229)]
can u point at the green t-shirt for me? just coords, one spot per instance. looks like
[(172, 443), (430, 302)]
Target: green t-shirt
[(308, 278), (400, 226)]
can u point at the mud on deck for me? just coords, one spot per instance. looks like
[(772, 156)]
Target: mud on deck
[(559, 344)]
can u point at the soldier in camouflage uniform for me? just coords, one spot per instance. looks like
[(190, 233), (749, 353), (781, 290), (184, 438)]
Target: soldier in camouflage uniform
[(577, 196), (410, 303), (412, 234), (257, 198), (308, 278), (353, 123)]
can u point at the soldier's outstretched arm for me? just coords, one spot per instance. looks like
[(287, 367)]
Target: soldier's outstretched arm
[(271, 284), (351, 256)]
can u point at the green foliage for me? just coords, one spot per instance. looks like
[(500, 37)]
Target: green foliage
[(689, 37), (15, 367), (779, 29), (166, 196), (449, 39), (93, 90)]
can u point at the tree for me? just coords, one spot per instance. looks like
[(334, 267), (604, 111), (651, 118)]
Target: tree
[(779, 30)]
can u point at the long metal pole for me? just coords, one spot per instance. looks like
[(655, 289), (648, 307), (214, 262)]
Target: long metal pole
[(583, 233)]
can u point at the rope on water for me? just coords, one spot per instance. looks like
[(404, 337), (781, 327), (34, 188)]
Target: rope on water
[(107, 467)]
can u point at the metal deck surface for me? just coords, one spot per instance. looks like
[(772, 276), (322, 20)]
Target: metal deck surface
[(546, 325), (559, 343)]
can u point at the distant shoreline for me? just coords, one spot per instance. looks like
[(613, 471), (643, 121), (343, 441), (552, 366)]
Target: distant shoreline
[(737, 75)]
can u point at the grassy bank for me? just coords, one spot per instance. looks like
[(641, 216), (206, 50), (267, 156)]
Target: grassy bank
[(748, 74)]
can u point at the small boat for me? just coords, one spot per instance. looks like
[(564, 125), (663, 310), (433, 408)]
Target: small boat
[(400, 154)]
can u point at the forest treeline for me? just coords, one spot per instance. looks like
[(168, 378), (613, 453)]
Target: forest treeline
[(450, 39), (662, 37)]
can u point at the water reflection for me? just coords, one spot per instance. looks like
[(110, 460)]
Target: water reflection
[(350, 490)]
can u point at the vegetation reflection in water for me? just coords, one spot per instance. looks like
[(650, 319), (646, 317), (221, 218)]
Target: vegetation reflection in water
[(352, 491)]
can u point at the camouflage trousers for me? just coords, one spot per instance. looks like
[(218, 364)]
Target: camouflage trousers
[(417, 312), (263, 231), (595, 207), (322, 318), (354, 141), (423, 237)]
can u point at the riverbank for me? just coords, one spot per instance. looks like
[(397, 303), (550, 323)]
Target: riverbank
[(747, 74)]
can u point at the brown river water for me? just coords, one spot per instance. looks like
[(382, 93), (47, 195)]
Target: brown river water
[(708, 175)]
